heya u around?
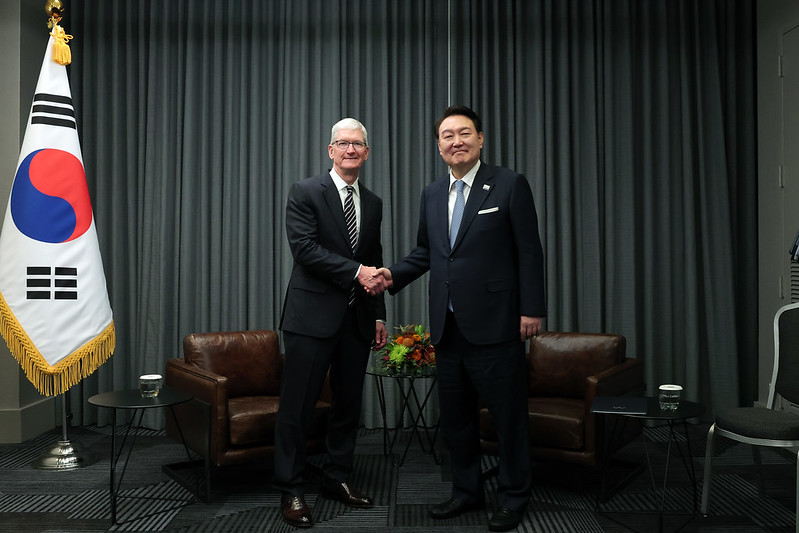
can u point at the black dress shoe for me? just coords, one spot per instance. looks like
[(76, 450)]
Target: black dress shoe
[(341, 492), (505, 519), (454, 507), (295, 511)]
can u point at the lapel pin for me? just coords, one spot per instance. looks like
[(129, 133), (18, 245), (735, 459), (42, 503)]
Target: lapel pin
[(486, 187)]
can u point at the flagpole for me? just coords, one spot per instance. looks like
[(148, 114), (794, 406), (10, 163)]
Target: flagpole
[(64, 455)]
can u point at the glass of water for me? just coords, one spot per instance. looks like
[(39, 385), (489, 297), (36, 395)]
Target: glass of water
[(669, 397), (150, 385)]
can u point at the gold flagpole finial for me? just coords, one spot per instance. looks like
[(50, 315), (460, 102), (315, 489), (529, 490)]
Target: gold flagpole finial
[(54, 8), (61, 53)]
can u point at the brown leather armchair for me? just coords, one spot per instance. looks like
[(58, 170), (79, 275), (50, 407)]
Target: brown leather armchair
[(565, 372), (235, 380)]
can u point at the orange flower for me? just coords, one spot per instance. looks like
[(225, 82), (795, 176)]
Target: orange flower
[(407, 341)]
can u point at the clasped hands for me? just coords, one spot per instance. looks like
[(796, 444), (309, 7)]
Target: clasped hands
[(375, 280)]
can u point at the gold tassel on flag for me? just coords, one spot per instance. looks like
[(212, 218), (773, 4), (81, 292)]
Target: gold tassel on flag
[(54, 380), (61, 53)]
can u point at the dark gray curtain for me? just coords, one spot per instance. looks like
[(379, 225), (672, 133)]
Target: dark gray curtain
[(634, 122)]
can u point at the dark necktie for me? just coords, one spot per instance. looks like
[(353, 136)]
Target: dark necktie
[(352, 229)]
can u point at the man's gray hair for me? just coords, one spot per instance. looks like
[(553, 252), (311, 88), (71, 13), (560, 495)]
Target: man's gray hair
[(348, 124)]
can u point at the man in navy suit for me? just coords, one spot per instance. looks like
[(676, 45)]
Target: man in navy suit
[(478, 237), (329, 322)]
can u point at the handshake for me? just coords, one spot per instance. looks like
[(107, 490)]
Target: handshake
[(375, 280)]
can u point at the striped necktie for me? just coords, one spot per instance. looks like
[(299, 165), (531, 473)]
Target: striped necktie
[(349, 216), (352, 230)]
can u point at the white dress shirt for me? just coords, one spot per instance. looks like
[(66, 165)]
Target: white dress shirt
[(467, 180)]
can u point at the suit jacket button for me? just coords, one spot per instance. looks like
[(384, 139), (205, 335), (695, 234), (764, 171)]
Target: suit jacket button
[(451, 259)]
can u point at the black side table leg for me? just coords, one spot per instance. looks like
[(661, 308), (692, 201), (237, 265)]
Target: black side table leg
[(112, 462), (687, 463), (608, 446), (116, 484), (652, 479), (665, 478), (406, 396), (421, 418), (687, 459), (415, 419), (381, 397)]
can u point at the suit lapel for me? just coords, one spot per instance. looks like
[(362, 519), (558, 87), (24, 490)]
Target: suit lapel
[(481, 188), (333, 201), (368, 214), (440, 208)]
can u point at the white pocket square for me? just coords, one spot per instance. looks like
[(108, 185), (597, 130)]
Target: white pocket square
[(486, 211)]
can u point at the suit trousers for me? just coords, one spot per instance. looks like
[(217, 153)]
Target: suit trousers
[(495, 374), (308, 360)]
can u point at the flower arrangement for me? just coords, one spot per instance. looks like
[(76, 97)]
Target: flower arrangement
[(410, 349)]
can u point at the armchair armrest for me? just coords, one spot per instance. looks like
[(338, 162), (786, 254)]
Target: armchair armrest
[(209, 388), (200, 383)]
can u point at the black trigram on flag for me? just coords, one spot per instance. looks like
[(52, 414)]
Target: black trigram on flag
[(53, 110), (57, 283)]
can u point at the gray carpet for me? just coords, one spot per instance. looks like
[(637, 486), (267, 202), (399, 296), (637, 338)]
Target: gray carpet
[(563, 497)]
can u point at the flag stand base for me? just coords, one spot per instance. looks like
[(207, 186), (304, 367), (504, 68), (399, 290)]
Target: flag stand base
[(64, 455)]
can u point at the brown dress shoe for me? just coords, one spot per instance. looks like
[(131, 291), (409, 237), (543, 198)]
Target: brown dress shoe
[(340, 491), (295, 511)]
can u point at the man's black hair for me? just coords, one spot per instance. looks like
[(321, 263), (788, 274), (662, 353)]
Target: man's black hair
[(459, 110)]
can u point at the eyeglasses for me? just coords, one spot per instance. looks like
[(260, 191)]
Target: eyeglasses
[(343, 145)]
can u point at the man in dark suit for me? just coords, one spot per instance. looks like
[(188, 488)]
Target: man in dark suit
[(478, 237), (329, 322)]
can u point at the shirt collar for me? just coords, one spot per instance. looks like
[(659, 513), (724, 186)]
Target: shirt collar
[(468, 179), (340, 184)]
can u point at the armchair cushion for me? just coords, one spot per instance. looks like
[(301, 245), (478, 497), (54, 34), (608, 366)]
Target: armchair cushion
[(252, 419), (557, 423)]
